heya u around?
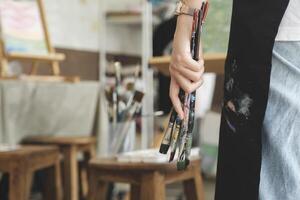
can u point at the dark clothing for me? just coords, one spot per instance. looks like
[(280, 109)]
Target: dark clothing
[(254, 27), (162, 37)]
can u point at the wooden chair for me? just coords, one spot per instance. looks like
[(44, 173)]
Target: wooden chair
[(147, 180), (21, 164), (50, 56), (70, 147)]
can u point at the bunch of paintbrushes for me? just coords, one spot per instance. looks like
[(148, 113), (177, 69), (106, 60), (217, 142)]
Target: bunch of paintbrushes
[(178, 134), (120, 94), (124, 105)]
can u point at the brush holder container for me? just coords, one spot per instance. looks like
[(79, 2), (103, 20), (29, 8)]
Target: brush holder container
[(128, 143)]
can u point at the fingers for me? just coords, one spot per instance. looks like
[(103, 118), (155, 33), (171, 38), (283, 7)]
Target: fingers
[(186, 61), (189, 74), (174, 92), (187, 85)]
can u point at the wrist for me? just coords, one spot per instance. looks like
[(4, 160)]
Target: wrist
[(184, 26), (181, 43), (193, 3), (184, 22)]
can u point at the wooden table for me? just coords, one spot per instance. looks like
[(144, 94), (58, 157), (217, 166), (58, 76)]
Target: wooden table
[(20, 164), (70, 147), (147, 180), (213, 62)]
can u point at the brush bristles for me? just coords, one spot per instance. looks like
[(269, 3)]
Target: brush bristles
[(138, 96), (108, 95), (130, 86), (181, 165), (164, 148)]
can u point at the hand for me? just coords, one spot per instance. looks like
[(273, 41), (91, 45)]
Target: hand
[(185, 72)]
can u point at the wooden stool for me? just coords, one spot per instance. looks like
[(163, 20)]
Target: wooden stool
[(20, 164), (70, 147), (147, 180)]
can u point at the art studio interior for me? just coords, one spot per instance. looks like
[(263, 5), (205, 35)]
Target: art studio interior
[(85, 112)]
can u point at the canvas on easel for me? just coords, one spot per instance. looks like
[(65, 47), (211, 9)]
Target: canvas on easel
[(25, 36)]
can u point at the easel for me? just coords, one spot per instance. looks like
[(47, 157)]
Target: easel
[(52, 57)]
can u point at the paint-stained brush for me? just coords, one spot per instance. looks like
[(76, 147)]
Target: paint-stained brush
[(165, 144), (189, 138), (174, 139), (183, 134)]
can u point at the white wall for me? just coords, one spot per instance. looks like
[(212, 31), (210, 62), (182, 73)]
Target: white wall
[(74, 24)]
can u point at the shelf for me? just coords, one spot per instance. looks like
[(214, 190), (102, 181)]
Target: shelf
[(125, 13), (124, 17), (214, 62), (126, 70), (127, 17)]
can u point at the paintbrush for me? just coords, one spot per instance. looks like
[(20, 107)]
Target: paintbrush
[(130, 93), (189, 138), (117, 66), (179, 132), (176, 132), (186, 141), (127, 118), (183, 135), (165, 144), (114, 106), (132, 86), (201, 18), (108, 95)]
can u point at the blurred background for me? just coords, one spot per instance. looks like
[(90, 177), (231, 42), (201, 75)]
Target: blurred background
[(72, 71)]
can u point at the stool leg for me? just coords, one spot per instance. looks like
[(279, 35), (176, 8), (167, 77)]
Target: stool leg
[(28, 184), (52, 190), (152, 187), (83, 180), (19, 184), (135, 192), (97, 189), (70, 173), (91, 153), (193, 188)]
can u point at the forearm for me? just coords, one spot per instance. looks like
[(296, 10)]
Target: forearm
[(184, 24)]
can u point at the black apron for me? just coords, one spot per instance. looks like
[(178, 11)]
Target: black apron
[(254, 27)]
